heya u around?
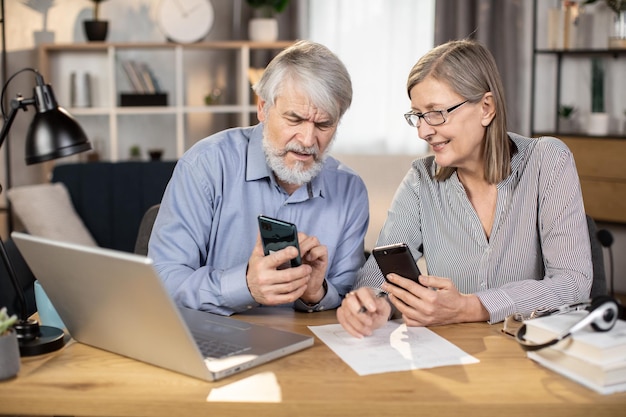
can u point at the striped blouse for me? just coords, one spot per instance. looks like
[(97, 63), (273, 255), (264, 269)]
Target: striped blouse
[(539, 252)]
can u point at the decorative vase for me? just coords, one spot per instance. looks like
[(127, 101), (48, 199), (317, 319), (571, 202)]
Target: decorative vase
[(618, 34), (43, 36), (598, 124), (567, 125), (263, 29), (9, 355), (96, 30), (155, 154)]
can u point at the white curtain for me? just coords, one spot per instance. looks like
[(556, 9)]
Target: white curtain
[(378, 41)]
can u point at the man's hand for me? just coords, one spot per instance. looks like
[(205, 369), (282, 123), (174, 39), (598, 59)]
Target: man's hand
[(269, 285), (316, 256)]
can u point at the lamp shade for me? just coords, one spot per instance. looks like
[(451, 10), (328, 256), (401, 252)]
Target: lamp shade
[(53, 133)]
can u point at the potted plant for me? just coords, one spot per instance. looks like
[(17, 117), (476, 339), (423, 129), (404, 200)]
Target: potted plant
[(567, 124), (96, 29), (264, 26), (598, 119), (9, 348), (135, 153)]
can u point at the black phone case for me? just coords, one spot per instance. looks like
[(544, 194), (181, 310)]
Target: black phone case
[(396, 259), (278, 234)]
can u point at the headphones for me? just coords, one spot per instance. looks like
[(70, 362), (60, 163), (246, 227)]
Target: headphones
[(603, 314)]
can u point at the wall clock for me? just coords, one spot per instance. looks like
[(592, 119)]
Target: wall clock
[(185, 21)]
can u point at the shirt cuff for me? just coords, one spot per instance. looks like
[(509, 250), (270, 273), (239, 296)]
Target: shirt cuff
[(327, 302), (235, 289), (497, 303)]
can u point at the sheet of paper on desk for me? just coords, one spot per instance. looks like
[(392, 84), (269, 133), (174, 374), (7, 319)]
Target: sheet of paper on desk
[(262, 387), (394, 347)]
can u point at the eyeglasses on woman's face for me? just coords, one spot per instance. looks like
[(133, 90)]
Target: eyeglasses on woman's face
[(433, 118)]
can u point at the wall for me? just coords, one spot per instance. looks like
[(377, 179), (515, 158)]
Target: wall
[(382, 174)]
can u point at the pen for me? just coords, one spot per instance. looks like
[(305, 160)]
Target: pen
[(379, 294)]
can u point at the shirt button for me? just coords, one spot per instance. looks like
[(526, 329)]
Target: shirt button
[(248, 307)]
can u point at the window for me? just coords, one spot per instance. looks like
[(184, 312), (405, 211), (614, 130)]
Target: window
[(378, 41)]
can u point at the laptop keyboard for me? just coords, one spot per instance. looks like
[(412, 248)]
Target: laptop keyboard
[(215, 348)]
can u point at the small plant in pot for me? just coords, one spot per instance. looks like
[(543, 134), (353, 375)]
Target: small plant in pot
[(264, 26), (9, 348), (567, 123), (96, 29)]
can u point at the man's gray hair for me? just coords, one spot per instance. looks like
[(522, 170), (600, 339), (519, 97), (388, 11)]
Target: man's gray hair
[(313, 68)]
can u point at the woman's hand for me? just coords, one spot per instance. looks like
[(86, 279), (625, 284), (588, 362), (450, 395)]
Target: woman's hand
[(437, 302), (362, 311)]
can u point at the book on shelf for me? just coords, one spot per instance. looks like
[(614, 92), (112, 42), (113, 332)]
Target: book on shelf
[(153, 80), (141, 77), (146, 77), (594, 359), (133, 76)]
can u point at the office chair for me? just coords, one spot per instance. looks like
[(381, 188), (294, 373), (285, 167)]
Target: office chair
[(598, 286), (145, 229)]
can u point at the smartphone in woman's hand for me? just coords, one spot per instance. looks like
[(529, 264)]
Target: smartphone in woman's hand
[(396, 259)]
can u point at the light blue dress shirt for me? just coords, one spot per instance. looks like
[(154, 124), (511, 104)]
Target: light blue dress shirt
[(207, 224)]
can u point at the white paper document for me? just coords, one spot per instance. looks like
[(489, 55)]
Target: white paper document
[(393, 347), (260, 388)]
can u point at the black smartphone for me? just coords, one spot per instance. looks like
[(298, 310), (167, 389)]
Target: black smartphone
[(278, 234), (396, 259)]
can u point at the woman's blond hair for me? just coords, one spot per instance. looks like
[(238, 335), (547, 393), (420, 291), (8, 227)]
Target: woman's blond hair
[(470, 70)]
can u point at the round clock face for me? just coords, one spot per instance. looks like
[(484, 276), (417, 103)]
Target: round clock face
[(185, 21)]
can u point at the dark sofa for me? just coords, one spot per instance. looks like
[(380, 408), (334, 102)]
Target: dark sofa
[(110, 198)]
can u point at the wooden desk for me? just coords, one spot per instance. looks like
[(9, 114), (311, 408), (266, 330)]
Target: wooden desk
[(80, 380)]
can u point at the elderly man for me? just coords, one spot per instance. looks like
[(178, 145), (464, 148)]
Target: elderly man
[(205, 242)]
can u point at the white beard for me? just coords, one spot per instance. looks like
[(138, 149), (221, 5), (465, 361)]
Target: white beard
[(296, 175)]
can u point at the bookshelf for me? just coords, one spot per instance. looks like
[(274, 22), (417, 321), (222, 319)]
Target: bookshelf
[(562, 76), (186, 73)]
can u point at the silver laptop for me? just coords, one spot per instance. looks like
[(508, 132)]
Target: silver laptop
[(115, 301)]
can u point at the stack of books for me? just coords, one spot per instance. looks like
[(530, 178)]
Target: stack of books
[(146, 89), (141, 77), (594, 359)]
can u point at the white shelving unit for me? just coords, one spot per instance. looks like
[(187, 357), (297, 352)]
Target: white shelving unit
[(186, 73), (563, 76)]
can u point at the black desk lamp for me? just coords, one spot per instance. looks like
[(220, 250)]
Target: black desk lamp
[(52, 134)]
